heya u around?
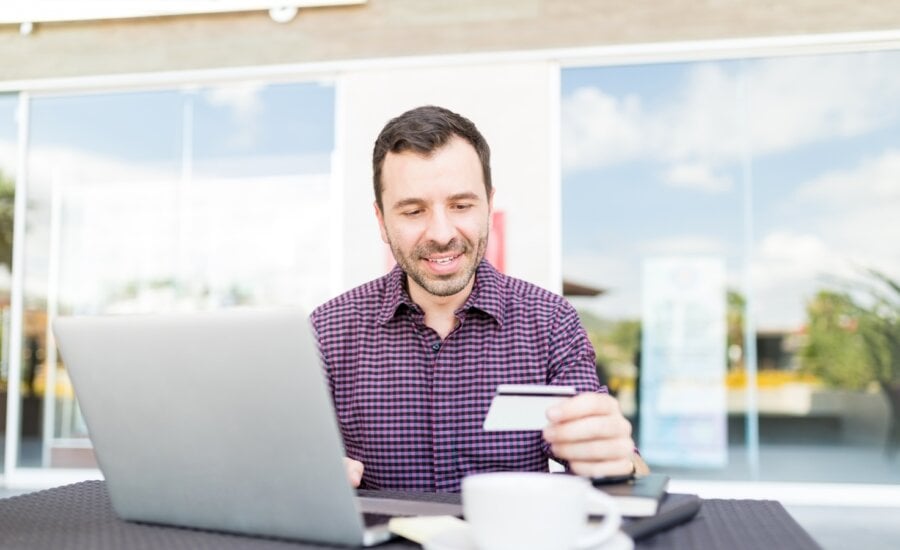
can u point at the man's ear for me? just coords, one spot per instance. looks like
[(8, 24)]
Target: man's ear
[(380, 217)]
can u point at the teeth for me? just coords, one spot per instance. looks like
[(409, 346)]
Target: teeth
[(442, 261)]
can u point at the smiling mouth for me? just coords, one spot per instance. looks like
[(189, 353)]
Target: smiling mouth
[(443, 261)]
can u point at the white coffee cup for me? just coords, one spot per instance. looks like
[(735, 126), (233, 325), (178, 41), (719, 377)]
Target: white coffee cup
[(535, 511)]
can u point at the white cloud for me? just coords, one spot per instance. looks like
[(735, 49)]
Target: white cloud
[(246, 104), (599, 129), (118, 225), (787, 269), (860, 208), (67, 164), (243, 98), (700, 122), (675, 245), (783, 257), (855, 217), (807, 99), (790, 102), (839, 222), (873, 181), (696, 175)]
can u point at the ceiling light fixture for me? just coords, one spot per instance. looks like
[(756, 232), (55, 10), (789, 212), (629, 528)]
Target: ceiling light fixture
[(283, 14)]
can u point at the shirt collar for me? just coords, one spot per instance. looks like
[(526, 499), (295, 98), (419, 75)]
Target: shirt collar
[(487, 294), (395, 295)]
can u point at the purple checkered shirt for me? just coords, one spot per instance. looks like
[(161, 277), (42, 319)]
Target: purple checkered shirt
[(410, 406)]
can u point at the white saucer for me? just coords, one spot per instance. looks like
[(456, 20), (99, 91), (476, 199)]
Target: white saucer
[(460, 538)]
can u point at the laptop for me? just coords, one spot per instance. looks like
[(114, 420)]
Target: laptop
[(219, 421)]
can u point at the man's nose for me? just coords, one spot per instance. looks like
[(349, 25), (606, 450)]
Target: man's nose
[(441, 228)]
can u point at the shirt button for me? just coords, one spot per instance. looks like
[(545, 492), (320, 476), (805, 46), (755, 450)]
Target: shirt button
[(436, 346)]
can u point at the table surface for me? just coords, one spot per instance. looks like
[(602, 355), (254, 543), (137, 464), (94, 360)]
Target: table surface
[(81, 516)]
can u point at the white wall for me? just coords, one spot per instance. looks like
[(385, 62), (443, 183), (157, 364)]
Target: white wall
[(513, 104)]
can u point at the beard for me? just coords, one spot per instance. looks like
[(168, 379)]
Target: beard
[(442, 285)]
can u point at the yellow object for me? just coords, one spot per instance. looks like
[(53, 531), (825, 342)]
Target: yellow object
[(421, 528), (768, 378), (63, 390)]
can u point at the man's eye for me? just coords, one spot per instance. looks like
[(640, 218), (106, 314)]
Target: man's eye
[(410, 213), (462, 206)]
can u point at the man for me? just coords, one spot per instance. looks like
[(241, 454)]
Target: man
[(413, 358)]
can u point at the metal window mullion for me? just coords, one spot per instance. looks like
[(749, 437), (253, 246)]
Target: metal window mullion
[(50, 355), (751, 407), (17, 295)]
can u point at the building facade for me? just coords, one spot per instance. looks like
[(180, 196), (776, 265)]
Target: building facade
[(203, 161)]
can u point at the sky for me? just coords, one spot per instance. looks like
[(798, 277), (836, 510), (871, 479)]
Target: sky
[(227, 187), (659, 159)]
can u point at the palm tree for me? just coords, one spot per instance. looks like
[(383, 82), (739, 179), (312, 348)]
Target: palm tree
[(854, 340)]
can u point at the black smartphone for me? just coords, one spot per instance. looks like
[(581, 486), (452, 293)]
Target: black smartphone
[(675, 510), (611, 480)]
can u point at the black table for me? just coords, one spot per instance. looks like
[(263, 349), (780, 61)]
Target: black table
[(81, 516)]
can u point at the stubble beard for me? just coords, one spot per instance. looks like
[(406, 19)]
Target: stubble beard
[(444, 285)]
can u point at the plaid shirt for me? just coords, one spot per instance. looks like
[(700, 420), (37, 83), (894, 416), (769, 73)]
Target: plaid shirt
[(410, 406)]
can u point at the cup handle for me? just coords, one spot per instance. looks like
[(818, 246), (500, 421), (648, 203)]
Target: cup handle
[(595, 536)]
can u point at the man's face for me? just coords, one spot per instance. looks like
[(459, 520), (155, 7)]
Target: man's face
[(436, 215)]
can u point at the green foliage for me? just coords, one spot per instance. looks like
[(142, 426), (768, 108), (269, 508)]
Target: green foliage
[(7, 210), (616, 342), (854, 335), (626, 336), (835, 350), (734, 317)]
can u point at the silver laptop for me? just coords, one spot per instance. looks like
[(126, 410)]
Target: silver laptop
[(218, 421)]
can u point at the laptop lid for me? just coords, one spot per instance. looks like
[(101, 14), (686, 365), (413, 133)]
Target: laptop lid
[(214, 420)]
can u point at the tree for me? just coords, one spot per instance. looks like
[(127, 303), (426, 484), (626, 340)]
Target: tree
[(7, 210), (736, 305), (854, 340)]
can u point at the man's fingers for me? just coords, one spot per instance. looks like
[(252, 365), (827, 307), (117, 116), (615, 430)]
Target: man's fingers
[(354, 471), (588, 428), (606, 468), (594, 451), (589, 432), (583, 404)]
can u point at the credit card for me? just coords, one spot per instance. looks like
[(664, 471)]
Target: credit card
[(518, 407)]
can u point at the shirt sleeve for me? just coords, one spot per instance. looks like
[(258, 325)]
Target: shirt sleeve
[(573, 361)]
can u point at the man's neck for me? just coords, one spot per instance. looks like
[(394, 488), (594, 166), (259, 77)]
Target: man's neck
[(439, 310)]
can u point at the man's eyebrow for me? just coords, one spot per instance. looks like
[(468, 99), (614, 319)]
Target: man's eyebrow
[(464, 196), (407, 202)]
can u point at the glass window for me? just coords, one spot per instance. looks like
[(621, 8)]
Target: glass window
[(8, 156), (784, 171), (167, 201)]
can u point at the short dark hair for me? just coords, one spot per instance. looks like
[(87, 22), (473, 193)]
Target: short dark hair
[(424, 130)]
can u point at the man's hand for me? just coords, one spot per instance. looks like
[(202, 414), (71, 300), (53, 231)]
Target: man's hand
[(590, 433), (354, 471)]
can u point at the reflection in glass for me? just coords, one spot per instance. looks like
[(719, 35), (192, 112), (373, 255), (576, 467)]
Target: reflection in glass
[(170, 200), (655, 159), (8, 155), (646, 185)]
